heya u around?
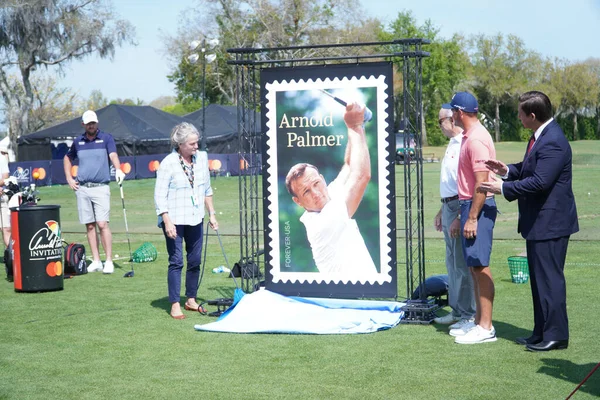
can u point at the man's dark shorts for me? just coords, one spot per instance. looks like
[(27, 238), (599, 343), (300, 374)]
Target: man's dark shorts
[(477, 251)]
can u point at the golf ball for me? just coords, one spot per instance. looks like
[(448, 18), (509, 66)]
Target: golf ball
[(116, 256)]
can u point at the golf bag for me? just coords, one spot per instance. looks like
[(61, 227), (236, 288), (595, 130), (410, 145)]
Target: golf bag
[(246, 269), (435, 286), (8, 262), (10, 189), (75, 259)]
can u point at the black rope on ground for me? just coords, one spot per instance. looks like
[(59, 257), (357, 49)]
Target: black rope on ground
[(203, 261)]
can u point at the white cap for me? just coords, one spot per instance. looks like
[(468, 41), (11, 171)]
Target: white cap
[(89, 116)]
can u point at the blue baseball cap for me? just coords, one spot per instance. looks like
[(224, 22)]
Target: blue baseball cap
[(446, 106), (464, 101)]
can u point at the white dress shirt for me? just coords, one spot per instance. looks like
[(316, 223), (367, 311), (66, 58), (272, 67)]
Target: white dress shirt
[(537, 134), (174, 194), (337, 245)]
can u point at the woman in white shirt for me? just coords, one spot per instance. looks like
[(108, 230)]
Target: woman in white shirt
[(181, 194)]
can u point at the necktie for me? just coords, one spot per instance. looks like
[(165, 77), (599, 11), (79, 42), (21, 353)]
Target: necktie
[(531, 142)]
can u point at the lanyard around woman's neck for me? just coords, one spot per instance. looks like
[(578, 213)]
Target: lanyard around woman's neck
[(189, 171)]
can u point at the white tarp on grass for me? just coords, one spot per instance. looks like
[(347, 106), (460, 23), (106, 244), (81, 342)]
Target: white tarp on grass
[(267, 312)]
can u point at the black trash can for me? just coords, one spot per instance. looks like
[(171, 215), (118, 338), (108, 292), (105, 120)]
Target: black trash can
[(37, 248)]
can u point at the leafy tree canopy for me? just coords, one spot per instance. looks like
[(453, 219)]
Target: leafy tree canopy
[(46, 33)]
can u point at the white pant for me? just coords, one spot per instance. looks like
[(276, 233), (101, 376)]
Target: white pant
[(461, 296)]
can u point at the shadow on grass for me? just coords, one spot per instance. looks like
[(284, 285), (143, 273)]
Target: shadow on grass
[(503, 330), (223, 291), (164, 304), (571, 372)]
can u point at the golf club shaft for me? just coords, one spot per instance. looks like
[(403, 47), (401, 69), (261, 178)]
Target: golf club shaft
[(342, 102), (226, 261), (126, 226), (367, 113)]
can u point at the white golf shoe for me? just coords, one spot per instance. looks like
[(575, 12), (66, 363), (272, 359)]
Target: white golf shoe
[(477, 335), (462, 330), (446, 319), (109, 267), (461, 323), (95, 266)]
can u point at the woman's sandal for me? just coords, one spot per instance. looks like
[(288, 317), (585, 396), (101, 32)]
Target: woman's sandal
[(200, 309)]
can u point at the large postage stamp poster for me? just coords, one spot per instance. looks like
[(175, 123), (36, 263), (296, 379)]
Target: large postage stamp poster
[(327, 180)]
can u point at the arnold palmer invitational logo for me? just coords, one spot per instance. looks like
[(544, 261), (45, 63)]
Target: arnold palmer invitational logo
[(45, 244)]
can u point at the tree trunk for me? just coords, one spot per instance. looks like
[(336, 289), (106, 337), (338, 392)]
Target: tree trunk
[(575, 133), (15, 127), (19, 119), (497, 122)]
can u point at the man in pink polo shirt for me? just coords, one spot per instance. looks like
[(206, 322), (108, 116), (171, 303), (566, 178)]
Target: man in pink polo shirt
[(477, 216)]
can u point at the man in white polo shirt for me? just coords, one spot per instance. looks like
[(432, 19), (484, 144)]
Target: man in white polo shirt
[(337, 245), (460, 283)]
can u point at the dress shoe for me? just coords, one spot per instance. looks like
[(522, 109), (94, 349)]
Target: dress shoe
[(198, 308), (548, 345), (529, 340)]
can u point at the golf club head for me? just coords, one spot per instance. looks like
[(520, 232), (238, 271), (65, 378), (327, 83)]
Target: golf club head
[(128, 274)]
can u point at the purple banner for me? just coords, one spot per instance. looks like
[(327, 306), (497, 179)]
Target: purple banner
[(146, 166), (51, 172), (57, 171), (37, 172), (127, 166)]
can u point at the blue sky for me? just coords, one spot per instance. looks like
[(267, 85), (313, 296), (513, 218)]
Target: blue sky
[(566, 29)]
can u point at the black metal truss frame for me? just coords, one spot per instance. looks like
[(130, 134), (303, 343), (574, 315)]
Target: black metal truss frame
[(407, 56)]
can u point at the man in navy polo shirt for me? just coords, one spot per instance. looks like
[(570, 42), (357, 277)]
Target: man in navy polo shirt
[(93, 149)]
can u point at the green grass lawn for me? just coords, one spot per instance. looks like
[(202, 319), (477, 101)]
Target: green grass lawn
[(107, 337)]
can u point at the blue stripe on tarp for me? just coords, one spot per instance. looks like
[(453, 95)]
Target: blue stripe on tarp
[(268, 312)]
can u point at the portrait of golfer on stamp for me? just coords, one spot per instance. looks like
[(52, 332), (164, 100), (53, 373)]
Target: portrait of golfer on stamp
[(328, 183)]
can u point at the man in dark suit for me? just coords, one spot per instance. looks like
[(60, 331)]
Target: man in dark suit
[(542, 184)]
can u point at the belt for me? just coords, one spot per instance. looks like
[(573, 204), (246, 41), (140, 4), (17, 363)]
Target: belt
[(449, 199), (92, 184)]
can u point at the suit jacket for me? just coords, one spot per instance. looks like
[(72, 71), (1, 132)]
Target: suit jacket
[(542, 183)]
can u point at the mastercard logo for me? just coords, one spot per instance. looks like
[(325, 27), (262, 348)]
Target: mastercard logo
[(214, 164), (38, 173), (54, 269), (153, 166), (126, 168), (74, 171)]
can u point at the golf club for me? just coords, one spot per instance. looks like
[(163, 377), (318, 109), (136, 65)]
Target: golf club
[(238, 292), (368, 113), (130, 273)]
